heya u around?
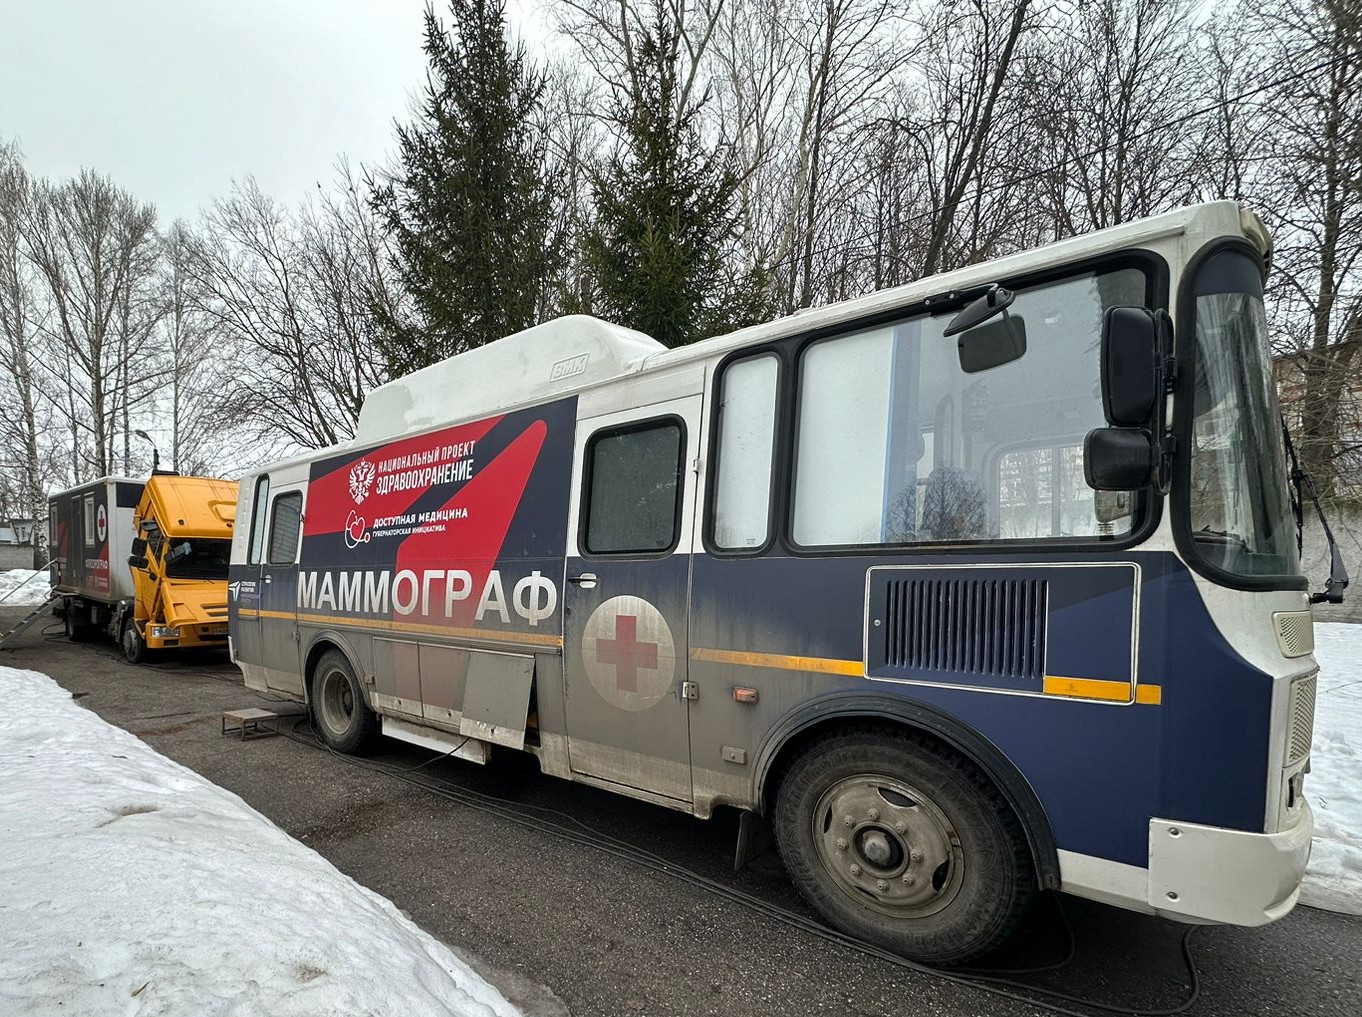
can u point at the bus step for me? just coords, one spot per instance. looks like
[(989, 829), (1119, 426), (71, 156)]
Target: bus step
[(437, 741)]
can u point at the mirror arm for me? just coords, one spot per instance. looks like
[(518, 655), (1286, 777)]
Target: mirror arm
[(1167, 452)]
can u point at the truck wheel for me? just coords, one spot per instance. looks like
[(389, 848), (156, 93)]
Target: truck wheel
[(343, 719), (134, 646), (903, 843), (76, 629)]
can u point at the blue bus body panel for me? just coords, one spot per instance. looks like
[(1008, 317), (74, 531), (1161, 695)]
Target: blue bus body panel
[(1100, 769)]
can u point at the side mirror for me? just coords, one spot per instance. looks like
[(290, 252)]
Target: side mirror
[(137, 561), (1119, 458), (139, 547), (1132, 346)]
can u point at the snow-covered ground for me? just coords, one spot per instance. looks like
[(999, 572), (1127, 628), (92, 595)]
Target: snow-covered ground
[(35, 585), (1334, 784), (130, 885)]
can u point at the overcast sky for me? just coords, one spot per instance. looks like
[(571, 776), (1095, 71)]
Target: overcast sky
[(176, 98)]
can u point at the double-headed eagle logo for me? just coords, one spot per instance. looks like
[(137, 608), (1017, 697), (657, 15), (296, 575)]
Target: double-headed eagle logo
[(361, 480)]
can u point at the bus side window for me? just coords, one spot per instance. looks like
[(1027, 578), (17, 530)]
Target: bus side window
[(286, 525), (259, 506), (89, 520), (745, 444), (633, 489)]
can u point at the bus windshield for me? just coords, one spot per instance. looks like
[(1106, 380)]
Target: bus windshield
[(1241, 516)]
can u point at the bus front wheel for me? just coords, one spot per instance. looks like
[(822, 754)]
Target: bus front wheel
[(903, 843), (343, 719)]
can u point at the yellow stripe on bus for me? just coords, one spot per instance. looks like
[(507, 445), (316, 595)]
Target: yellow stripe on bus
[(490, 635), (1093, 688), (1082, 688), (822, 665)]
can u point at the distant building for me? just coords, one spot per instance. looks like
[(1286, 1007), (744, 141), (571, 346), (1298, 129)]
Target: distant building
[(16, 542)]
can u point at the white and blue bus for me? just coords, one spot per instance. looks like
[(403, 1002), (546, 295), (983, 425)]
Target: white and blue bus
[(980, 586)]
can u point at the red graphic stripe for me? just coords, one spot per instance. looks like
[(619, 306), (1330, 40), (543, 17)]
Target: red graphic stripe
[(330, 501), (475, 543)]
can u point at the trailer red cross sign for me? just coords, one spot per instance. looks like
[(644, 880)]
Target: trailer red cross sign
[(629, 653)]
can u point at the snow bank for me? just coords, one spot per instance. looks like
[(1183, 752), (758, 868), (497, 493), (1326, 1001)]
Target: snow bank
[(134, 886), (33, 592), (1334, 784)]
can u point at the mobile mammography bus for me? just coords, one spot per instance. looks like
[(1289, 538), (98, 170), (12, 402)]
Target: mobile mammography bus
[(981, 585)]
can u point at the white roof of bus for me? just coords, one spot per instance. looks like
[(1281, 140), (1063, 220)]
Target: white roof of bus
[(569, 354)]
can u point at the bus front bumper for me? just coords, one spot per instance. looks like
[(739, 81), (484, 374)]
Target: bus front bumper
[(1211, 874)]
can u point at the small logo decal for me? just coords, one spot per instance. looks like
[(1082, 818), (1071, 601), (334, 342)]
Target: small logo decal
[(569, 367), (361, 480), (356, 530), (101, 524), (629, 654)]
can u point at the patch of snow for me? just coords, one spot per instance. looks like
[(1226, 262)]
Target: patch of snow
[(24, 587), (1334, 784), (134, 886)]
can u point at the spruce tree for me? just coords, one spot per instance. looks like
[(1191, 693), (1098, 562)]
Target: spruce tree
[(665, 210), (469, 207)]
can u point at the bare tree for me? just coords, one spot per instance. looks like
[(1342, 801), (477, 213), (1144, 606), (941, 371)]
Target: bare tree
[(1105, 96), (192, 367), (92, 243), (292, 295), (1309, 187), (18, 337)]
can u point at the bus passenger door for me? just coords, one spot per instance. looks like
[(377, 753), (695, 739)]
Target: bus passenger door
[(266, 637), (625, 600)]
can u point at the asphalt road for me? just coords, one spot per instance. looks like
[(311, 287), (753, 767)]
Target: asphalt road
[(563, 927)]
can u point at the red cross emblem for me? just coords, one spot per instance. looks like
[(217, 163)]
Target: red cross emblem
[(626, 653)]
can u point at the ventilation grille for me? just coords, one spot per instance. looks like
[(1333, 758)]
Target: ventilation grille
[(1302, 719), (974, 626), (1295, 632)]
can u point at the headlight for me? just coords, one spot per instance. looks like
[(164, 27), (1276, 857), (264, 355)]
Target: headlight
[(165, 631)]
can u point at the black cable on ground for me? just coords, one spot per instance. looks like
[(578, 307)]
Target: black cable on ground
[(998, 984)]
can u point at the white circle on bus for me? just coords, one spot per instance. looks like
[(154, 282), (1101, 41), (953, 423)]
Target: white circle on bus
[(101, 524), (629, 654)]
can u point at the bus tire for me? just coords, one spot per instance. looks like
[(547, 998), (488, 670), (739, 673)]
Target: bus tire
[(342, 717), (903, 843), (134, 646)]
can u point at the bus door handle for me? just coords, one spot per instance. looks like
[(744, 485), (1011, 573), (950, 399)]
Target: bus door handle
[(268, 579), (587, 580)]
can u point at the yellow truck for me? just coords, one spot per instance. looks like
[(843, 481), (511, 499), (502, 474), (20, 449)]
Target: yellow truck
[(180, 553)]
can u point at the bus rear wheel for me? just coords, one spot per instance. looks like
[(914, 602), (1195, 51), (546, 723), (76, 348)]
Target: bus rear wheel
[(903, 843), (343, 719)]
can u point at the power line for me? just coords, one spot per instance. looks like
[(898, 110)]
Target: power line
[(1027, 177)]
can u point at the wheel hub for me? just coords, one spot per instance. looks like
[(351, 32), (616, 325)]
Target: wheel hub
[(337, 702), (877, 848), (888, 846)]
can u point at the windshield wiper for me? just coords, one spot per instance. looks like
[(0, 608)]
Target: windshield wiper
[(1300, 480), (1211, 536)]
